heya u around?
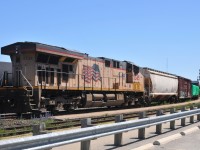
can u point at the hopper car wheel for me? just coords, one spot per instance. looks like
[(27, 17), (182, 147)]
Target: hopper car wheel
[(176, 99), (172, 99)]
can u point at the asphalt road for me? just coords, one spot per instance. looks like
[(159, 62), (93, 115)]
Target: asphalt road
[(188, 142)]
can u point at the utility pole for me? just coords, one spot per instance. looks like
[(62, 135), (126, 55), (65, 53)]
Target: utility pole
[(199, 74), (198, 77)]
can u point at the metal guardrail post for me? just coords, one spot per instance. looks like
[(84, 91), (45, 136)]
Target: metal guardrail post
[(198, 116), (118, 137), (172, 123), (141, 132), (85, 145), (159, 126), (183, 119), (39, 129), (192, 117)]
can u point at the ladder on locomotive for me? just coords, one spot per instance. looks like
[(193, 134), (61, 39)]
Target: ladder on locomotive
[(28, 88)]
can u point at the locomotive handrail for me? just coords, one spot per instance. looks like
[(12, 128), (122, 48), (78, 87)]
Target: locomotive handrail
[(27, 82), (79, 75), (51, 140), (60, 72)]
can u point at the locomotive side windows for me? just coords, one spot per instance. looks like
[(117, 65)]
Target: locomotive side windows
[(58, 77), (129, 67), (47, 59), (66, 69), (54, 60), (42, 75), (47, 75), (39, 74), (17, 59), (70, 68), (116, 64), (107, 63), (43, 58), (136, 69), (69, 59), (52, 76)]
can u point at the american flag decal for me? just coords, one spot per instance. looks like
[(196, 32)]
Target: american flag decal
[(91, 73)]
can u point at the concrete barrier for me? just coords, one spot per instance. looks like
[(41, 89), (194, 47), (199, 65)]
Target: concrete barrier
[(189, 131), (167, 139)]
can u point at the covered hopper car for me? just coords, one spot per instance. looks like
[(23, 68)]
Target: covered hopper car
[(160, 86)]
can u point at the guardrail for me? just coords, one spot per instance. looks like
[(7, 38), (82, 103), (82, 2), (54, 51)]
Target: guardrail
[(84, 135)]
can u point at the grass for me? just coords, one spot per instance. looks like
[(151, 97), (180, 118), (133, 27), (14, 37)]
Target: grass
[(2, 131), (49, 122)]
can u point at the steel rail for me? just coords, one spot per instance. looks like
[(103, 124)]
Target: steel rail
[(51, 140)]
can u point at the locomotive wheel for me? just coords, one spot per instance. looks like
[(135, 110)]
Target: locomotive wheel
[(129, 104), (108, 107), (141, 102), (51, 108), (69, 108), (147, 101)]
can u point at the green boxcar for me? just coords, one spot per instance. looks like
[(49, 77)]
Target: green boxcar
[(195, 91), (199, 91)]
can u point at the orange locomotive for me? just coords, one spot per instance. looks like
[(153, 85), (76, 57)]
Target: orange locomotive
[(52, 78)]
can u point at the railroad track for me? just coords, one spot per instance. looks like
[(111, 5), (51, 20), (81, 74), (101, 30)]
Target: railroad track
[(54, 124), (18, 130), (8, 116)]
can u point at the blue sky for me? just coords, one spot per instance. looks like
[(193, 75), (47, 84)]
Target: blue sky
[(164, 35)]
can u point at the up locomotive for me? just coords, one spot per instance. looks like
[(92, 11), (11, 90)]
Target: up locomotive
[(51, 78)]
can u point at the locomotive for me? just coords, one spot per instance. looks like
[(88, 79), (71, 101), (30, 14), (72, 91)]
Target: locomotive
[(51, 78)]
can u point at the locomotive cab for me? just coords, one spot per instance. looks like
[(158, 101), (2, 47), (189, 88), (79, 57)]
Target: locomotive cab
[(37, 68)]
